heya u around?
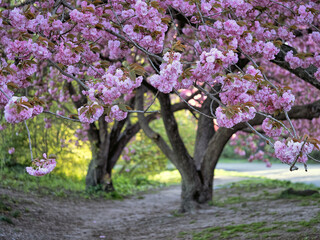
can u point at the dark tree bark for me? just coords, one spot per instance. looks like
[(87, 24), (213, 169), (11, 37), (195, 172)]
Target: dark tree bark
[(106, 148), (107, 144), (197, 172)]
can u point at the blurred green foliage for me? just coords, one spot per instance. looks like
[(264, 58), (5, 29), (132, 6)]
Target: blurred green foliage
[(72, 160)]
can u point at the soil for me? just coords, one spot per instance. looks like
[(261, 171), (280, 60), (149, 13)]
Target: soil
[(150, 215)]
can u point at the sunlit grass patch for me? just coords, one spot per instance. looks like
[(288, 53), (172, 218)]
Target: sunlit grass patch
[(168, 177), (17, 178), (173, 176), (64, 186)]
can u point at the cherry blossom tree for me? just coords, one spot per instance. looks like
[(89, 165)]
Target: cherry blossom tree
[(252, 63)]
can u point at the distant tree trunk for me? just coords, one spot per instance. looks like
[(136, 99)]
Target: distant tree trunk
[(106, 148), (107, 144)]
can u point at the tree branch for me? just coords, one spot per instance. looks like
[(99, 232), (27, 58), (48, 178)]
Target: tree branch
[(305, 74)]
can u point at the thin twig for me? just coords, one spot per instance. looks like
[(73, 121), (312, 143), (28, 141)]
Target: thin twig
[(209, 95), (191, 105), (30, 146), (205, 26), (276, 120), (313, 158), (211, 111), (60, 116), (180, 35), (257, 66), (4, 94), (259, 134), (69, 75), (289, 120), (293, 167), (283, 6), (153, 66), (154, 99)]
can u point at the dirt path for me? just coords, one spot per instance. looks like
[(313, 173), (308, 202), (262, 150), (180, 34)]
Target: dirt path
[(146, 216)]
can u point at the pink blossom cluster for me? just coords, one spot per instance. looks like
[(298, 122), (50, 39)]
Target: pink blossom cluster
[(240, 116), (3, 98), (143, 24), (270, 128), (90, 113), (19, 109), (239, 151), (236, 91), (270, 101), (112, 85), (213, 62), (116, 51), (288, 152), (269, 51), (116, 113), (260, 155), (23, 50), (304, 14), (294, 62), (65, 55), (169, 73), (84, 17), (41, 167), (186, 8)]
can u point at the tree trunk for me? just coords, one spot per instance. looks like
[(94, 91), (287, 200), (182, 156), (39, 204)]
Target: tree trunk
[(197, 172), (97, 175), (106, 150), (197, 186)]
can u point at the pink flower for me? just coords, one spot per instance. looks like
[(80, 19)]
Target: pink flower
[(19, 109), (271, 128), (294, 62), (89, 114), (116, 114), (229, 121), (288, 152), (41, 167), (169, 73), (269, 51)]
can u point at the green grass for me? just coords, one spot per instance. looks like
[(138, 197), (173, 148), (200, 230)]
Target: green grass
[(173, 176), (169, 177), (252, 230), (264, 187), (17, 178), (265, 183), (256, 230), (62, 186), (6, 219)]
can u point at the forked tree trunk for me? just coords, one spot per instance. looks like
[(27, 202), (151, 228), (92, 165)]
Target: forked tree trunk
[(196, 172), (197, 190)]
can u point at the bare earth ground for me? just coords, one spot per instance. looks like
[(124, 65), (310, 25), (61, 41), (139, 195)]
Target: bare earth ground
[(150, 216)]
